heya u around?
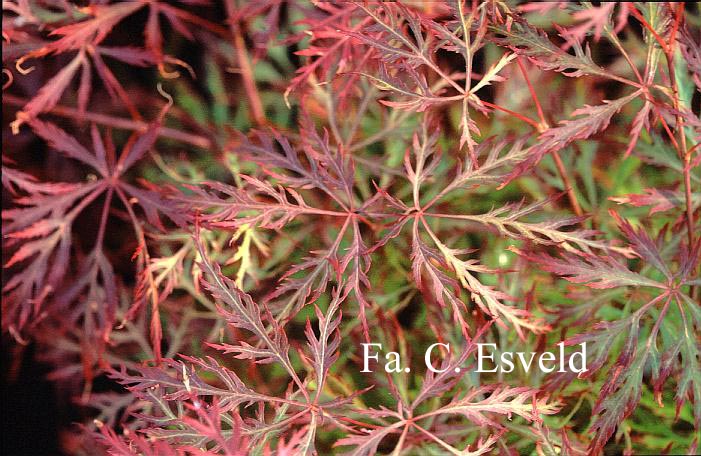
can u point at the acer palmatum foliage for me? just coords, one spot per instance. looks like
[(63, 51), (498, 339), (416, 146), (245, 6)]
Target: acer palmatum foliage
[(210, 206)]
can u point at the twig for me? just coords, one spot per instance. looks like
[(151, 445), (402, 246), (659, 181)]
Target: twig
[(568, 185), (116, 122), (556, 156), (245, 67)]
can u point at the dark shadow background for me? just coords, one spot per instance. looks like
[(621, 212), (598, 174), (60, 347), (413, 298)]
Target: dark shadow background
[(30, 407)]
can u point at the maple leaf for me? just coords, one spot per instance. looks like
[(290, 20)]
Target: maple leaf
[(325, 347), (93, 30), (244, 314), (502, 401), (43, 225), (388, 27), (623, 388), (85, 37), (323, 169), (593, 119), (239, 338), (507, 221), (598, 19), (274, 213), (481, 406), (528, 41), (490, 300)]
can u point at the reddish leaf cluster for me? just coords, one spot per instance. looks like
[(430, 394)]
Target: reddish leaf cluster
[(327, 174)]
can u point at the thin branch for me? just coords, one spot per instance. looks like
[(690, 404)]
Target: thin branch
[(116, 122), (245, 66)]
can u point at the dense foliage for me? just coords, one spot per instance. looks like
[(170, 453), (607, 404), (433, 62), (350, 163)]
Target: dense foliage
[(210, 205)]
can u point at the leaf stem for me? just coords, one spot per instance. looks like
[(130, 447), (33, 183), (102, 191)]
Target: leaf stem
[(116, 122), (245, 66), (556, 156)]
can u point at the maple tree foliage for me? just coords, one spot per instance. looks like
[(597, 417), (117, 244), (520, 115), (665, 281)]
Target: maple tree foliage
[(210, 205)]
